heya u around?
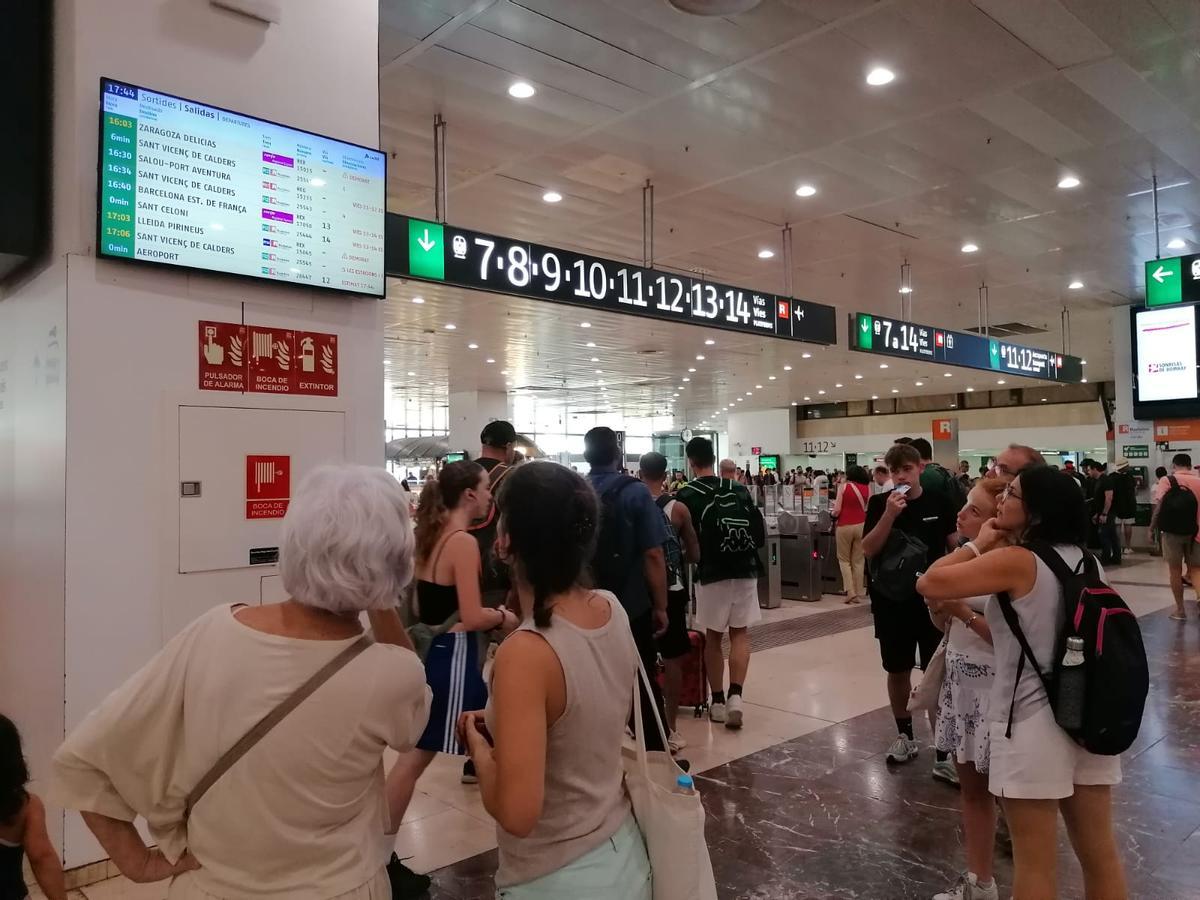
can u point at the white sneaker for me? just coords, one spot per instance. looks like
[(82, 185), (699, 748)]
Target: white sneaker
[(902, 750), (733, 717), (676, 742), (945, 770), (968, 888), (716, 712)]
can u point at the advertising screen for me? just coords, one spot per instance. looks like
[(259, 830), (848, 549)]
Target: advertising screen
[(187, 184), (1166, 354)]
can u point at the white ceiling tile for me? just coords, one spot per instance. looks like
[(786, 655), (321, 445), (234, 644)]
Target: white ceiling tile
[(1048, 28), (1025, 121)]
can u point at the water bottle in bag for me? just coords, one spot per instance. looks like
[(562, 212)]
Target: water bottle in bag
[(1072, 687)]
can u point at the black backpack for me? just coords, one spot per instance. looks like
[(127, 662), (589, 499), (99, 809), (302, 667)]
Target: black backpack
[(1116, 674), (1177, 511), (894, 570), (615, 552), (951, 486), (730, 527)]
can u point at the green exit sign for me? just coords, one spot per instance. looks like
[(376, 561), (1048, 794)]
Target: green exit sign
[(1175, 279), (863, 332), (426, 252)]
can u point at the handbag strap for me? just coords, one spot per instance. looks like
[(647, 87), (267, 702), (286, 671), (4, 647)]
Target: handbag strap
[(271, 719), (639, 730)]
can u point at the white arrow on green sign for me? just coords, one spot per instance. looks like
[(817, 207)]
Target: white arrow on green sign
[(426, 257)]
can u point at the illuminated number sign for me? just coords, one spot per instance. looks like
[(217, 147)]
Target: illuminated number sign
[(486, 262), (927, 343)]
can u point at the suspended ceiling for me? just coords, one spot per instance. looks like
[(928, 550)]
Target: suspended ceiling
[(994, 101)]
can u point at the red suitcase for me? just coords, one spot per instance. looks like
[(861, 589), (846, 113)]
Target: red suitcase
[(694, 691)]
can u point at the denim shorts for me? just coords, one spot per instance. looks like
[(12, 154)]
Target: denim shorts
[(619, 867)]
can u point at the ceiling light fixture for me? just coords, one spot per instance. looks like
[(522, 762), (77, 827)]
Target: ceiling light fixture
[(490, 361), (805, 190), (895, 390), (472, 346), (806, 356), (450, 326), (879, 76), (858, 378), (1068, 181), (969, 247), (685, 378), (947, 374), (552, 196), (1000, 381), (764, 253), (585, 324), (699, 357), (412, 374), (709, 342), (595, 359), (418, 300), (906, 289), (591, 344), (1075, 285), (770, 378), (758, 387), (919, 383), (691, 368), (808, 398), (1176, 244), (521, 90), (970, 390), (837, 385), (883, 365), (820, 392)]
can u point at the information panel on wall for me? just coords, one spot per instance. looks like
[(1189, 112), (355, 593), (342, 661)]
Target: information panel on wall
[(1164, 356), (187, 184), (928, 343), (434, 252)]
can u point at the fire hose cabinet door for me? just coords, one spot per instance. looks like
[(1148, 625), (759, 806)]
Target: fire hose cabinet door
[(237, 470)]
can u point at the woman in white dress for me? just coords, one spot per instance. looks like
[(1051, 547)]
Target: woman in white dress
[(962, 721), (302, 815)]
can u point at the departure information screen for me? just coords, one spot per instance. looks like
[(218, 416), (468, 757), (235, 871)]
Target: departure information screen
[(1165, 352), (486, 262), (927, 343), (187, 184)]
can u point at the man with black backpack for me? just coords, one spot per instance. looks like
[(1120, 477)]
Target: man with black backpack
[(629, 560), (730, 529), (905, 531), (1177, 518)]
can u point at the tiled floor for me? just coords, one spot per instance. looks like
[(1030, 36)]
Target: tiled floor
[(802, 805)]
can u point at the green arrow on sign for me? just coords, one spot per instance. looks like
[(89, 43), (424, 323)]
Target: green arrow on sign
[(994, 354), (865, 338), (1164, 284), (426, 256)]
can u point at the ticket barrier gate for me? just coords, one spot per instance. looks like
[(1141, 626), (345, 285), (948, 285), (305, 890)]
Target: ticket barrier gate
[(800, 574), (770, 594)]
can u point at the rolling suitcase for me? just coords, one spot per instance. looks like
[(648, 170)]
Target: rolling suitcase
[(694, 691)]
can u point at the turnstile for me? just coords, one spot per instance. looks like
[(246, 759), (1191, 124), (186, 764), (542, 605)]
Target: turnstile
[(799, 569), (770, 595)]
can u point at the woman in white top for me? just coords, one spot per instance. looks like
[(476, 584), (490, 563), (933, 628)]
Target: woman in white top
[(962, 720), (1036, 769), (548, 749), (302, 815)]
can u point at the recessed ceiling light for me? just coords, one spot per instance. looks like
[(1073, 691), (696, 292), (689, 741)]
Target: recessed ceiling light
[(770, 378), (418, 300), (522, 90), (599, 371), (947, 374), (787, 368), (674, 395), (450, 326), (595, 359), (858, 378), (749, 393), (764, 253), (1043, 399), (874, 396), (758, 387), (806, 356), (490, 360), (837, 385), (808, 398), (1176, 244), (879, 76), (970, 390), (1068, 181), (795, 403), (552, 196), (585, 324), (1000, 381), (969, 247), (895, 390), (699, 357), (691, 368), (412, 374), (709, 342), (1083, 381), (591, 343), (1083, 362), (906, 290), (1075, 285), (820, 392), (472, 346), (805, 190), (685, 378), (883, 365), (919, 383)]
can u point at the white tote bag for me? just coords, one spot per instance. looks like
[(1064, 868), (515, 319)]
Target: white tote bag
[(672, 823)]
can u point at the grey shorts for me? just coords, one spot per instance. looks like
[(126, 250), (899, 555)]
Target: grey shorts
[(1180, 548)]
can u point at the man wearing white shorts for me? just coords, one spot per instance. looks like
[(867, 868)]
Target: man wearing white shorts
[(727, 582)]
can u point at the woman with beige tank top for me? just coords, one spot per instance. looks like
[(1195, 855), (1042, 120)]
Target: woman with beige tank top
[(548, 748)]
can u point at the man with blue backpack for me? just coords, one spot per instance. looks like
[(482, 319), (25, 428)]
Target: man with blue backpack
[(730, 529), (629, 560)]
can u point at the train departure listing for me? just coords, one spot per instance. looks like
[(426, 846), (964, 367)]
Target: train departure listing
[(192, 185)]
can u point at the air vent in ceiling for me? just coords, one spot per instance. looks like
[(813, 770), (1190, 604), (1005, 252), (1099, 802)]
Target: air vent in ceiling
[(1008, 329), (714, 7)]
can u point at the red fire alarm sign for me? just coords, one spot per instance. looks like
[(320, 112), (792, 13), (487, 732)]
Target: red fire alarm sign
[(268, 486)]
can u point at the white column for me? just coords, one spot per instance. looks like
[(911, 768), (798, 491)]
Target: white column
[(469, 412), (91, 493), (769, 429)]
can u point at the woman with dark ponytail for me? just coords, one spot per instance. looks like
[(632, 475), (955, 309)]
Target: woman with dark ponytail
[(548, 748), (23, 826), (449, 600)]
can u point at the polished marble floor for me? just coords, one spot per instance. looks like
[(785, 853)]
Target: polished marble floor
[(802, 805)]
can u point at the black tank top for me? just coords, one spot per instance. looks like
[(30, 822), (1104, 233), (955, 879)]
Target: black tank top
[(436, 602), (12, 878)]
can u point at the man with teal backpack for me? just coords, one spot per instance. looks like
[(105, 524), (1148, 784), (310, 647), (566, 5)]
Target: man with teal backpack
[(731, 529)]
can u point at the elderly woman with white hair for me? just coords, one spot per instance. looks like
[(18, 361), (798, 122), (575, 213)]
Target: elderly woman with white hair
[(302, 814)]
